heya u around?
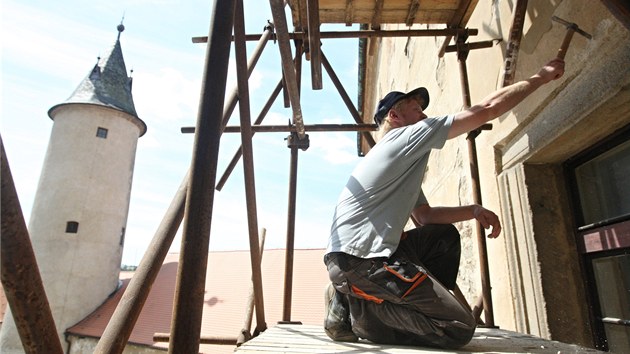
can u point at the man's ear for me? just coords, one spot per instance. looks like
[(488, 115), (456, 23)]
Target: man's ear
[(393, 115)]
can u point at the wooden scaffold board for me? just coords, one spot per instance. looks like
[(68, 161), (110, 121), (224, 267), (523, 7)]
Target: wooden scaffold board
[(312, 339)]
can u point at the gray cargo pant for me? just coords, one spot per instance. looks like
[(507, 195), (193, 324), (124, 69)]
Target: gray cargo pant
[(405, 299)]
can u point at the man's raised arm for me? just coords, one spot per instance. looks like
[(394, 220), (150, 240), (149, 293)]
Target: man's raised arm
[(504, 99)]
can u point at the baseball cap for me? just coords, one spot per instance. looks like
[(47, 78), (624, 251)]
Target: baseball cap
[(391, 98)]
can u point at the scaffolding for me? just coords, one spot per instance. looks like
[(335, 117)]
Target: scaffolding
[(193, 201)]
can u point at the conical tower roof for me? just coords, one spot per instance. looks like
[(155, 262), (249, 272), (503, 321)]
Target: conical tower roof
[(107, 85)]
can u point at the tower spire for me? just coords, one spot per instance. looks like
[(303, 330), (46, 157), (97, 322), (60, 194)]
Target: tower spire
[(107, 84), (121, 27)]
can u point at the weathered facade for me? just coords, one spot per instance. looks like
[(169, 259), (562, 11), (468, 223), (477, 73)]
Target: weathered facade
[(541, 266)]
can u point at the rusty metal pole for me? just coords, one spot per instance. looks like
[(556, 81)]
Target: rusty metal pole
[(346, 98), (20, 276), (288, 67), (288, 262), (369, 34), (297, 61), (292, 142), (191, 276), (462, 54), (239, 152), (514, 43), (314, 47), (120, 326), (165, 337), (330, 128), (481, 238), (251, 64), (259, 120), (245, 333), (248, 163)]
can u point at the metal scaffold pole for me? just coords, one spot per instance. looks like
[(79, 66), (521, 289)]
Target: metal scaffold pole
[(248, 164), (21, 280), (191, 276), (462, 54)]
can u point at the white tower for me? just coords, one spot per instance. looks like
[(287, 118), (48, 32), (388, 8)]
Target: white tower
[(77, 225)]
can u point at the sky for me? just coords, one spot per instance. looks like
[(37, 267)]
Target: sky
[(48, 48)]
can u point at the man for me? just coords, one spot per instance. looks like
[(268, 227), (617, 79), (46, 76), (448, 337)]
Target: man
[(390, 285)]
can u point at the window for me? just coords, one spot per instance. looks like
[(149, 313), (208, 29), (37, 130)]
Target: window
[(122, 236), (101, 133), (72, 227), (599, 180), (602, 183)]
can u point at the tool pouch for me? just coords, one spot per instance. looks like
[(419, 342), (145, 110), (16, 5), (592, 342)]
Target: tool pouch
[(399, 278)]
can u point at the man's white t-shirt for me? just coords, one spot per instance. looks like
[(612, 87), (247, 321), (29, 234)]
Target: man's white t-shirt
[(384, 188)]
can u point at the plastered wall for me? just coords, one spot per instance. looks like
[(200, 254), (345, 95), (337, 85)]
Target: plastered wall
[(534, 265)]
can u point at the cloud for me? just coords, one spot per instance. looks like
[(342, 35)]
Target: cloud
[(254, 82), (276, 118), (148, 141), (31, 43), (50, 51), (337, 148), (166, 95)]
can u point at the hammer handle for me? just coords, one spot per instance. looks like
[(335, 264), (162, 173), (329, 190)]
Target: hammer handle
[(565, 43)]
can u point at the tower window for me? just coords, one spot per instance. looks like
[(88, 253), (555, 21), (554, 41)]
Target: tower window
[(101, 133), (122, 236), (72, 227)]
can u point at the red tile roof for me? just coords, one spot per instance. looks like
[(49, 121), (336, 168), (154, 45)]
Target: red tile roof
[(228, 281)]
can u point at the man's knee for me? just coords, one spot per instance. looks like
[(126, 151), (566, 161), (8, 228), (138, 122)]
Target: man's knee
[(450, 232), (445, 233), (459, 337)]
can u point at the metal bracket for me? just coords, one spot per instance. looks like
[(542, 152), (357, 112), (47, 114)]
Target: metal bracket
[(271, 28), (472, 45), (462, 48), (294, 141), (475, 133)]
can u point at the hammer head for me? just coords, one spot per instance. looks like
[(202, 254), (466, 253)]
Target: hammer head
[(571, 26)]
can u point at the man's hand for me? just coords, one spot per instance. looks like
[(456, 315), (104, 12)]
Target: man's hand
[(487, 219), (552, 70)]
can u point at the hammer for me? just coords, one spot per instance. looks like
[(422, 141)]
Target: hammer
[(571, 28)]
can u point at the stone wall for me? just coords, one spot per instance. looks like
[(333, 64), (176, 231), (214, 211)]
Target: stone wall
[(534, 265)]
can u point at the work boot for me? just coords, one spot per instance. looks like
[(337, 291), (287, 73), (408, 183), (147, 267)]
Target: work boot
[(337, 321)]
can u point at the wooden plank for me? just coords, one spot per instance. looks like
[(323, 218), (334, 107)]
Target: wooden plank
[(388, 16), (349, 11), (298, 14), (411, 13), (391, 11), (378, 11), (459, 19), (390, 4), (470, 7), (313, 339), (288, 66), (314, 44)]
